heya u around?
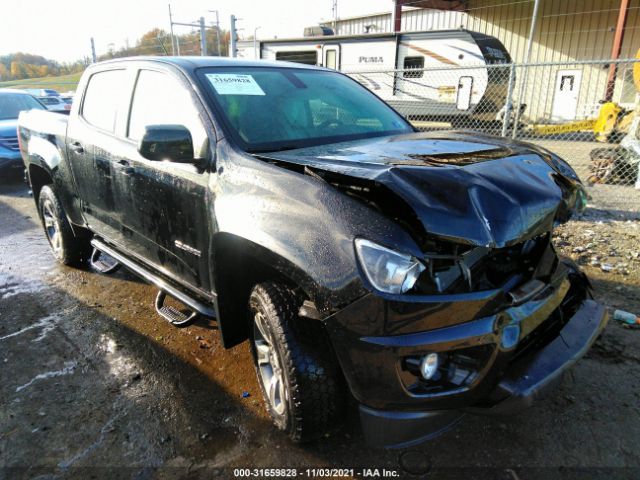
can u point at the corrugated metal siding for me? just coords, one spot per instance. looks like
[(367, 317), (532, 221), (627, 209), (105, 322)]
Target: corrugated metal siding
[(357, 26), (421, 20)]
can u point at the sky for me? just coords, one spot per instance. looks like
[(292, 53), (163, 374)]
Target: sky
[(61, 30)]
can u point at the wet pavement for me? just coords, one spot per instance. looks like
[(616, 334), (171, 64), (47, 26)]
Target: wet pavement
[(94, 384)]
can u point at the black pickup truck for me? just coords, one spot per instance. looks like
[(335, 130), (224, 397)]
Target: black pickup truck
[(412, 271)]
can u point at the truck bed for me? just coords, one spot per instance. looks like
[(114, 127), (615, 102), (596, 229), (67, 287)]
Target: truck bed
[(43, 122)]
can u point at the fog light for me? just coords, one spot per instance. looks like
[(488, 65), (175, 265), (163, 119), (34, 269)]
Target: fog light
[(429, 366)]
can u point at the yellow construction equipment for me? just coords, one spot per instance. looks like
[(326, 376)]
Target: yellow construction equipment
[(611, 125)]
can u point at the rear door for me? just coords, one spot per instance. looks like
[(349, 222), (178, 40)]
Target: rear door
[(164, 205), (90, 140)]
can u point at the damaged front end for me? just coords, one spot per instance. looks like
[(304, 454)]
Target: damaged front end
[(479, 314)]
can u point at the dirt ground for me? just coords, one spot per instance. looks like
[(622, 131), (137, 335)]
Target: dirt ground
[(94, 385)]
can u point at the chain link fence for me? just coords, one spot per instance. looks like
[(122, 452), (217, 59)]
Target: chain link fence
[(558, 106)]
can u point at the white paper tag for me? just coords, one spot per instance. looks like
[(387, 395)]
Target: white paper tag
[(234, 84)]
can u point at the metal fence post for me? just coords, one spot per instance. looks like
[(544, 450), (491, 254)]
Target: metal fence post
[(518, 103), (509, 106)]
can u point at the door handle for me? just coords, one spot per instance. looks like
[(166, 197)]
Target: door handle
[(124, 167), (77, 147)]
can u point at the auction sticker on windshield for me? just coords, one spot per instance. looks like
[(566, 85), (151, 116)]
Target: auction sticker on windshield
[(234, 84)]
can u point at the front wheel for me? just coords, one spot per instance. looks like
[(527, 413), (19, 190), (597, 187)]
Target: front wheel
[(65, 245), (296, 368)]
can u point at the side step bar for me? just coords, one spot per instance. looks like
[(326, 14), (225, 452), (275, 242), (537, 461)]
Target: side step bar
[(175, 317), (103, 265), (194, 304)]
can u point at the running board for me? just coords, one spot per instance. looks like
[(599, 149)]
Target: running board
[(164, 286)]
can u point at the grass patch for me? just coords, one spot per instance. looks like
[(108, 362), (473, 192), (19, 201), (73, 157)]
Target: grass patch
[(63, 83)]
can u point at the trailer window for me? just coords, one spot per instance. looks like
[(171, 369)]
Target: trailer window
[(413, 63), (308, 57)]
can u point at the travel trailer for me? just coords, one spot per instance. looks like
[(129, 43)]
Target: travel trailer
[(436, 74)]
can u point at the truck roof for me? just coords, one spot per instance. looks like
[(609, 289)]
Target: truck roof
[(194, 62)]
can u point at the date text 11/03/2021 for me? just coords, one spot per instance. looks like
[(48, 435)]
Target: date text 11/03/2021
[(315, 472)]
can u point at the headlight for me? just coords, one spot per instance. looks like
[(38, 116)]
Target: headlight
[(386, 270)]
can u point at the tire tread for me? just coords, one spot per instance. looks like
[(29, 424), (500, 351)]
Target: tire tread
[(316, 394)]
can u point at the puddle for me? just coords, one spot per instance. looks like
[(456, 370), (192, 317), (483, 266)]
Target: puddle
[(11, 286)]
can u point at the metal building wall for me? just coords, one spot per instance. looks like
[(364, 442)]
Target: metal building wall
[(567, 30), (357, 26), (420, 20)]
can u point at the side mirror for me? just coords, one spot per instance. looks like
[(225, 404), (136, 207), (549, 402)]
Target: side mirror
[(167, 142)]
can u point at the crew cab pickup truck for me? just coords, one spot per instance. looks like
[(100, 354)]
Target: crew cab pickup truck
[(412, 271)]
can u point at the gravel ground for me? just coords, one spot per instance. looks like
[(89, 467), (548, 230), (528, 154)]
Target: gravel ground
[(94, 385)]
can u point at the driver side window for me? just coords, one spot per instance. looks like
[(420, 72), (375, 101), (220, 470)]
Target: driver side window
[(159, 99)]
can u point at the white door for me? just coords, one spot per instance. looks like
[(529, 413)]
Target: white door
[(331, 56), (565, 97), (465, 89)]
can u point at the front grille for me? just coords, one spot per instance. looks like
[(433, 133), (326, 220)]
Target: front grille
[(10, 143)]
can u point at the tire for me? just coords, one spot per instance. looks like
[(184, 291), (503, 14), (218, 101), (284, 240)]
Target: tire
[(307, 398), (66, 247)]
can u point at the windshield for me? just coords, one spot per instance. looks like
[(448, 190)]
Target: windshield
[(269, 109), (11, 104)]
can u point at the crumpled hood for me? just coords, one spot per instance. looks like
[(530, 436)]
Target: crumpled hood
[(8, 128), (467, 188)]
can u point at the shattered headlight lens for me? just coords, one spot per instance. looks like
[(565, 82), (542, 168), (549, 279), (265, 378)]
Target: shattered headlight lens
[(387, 270)]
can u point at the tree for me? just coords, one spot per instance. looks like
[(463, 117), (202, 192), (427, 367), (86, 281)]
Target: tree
[(16, 70)]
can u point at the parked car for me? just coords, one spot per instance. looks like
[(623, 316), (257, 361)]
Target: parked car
[(412, 271), (55, 104), (42, 92), (12, 102)]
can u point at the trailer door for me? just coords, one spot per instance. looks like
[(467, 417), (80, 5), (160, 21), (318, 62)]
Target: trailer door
[(331, 56)]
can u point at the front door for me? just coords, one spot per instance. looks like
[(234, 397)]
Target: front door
[(164, 205), (565, 98)]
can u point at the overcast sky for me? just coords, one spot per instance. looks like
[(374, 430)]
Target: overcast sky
[(61, 29)]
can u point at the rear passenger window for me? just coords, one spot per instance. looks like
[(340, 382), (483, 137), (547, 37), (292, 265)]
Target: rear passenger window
[(101, 99)]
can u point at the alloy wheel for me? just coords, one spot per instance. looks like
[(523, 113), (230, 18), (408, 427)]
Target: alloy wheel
[(52, 228), (271, 374)]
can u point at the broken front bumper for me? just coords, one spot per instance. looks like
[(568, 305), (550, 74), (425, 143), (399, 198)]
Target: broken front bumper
[(524, 350)]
